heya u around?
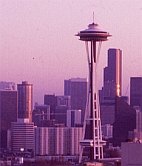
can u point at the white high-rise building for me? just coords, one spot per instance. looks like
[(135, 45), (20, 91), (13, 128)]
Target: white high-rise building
[(57, 140), (22, 135)]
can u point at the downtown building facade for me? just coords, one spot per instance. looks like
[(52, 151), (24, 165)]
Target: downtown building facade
[(22, 136), (136, 92), (54, 141), (76, 88), (73, 118), (63, 104), (58, 108), (125, 122), (41, 115), (113, 73), (74, 98), (138, 130), (22, 131), (25, 100), (131, 154), (112, 80), (8, 114), (7, 85), (116, 113), (112, 86), (51, 100)]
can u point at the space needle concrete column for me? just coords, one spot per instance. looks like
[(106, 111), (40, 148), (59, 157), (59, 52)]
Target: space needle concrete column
[(93, 138)]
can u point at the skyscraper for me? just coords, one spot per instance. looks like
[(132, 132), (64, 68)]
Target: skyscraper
[(113, 74), (8, 113), (136, 92), (77, 89), (25, 100), (112, 86)]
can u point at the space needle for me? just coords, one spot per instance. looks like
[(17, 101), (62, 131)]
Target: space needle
[(92, 135)]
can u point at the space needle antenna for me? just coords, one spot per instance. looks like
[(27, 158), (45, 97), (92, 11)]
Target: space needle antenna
[(93, 17)]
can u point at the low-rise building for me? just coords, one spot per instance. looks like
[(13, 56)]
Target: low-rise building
[(131, 154), (58, 140)]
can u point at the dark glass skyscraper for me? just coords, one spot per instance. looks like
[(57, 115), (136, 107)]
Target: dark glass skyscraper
[(136, 91), (25, 100), (112, 86), (113, 74), (77, 89), (8, 113), (51, 100), (125, 122)]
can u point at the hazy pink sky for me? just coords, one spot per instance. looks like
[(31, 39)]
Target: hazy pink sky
[(37, 41)]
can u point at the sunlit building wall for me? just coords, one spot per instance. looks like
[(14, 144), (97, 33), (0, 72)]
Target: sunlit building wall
[(25, 100), (57, 140), (113, 74), (22, 135)]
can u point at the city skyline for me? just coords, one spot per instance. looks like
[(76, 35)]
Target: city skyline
[(38, 44)]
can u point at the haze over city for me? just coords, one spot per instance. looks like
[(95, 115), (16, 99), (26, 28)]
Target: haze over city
[(38, 43)]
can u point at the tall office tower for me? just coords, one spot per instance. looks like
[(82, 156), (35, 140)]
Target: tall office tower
[(112, 86), (8, 114), (136, 91), (77, 89), (22, 135), (7, 85), (25, 100), (61, 141), (113, 74), (51, 100)]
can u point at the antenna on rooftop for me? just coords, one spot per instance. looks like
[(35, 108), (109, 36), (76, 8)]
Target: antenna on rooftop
[(93, 17)]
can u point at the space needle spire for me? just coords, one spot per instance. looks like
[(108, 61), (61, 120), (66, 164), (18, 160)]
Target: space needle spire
[(92, 122)]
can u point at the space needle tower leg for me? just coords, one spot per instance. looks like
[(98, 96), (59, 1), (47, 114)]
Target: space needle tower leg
[(92, 97)]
